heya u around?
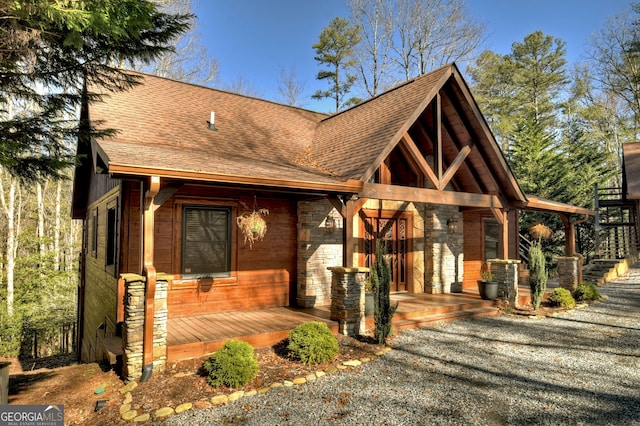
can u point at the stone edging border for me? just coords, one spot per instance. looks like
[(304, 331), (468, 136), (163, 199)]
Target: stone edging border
[(129, 414)]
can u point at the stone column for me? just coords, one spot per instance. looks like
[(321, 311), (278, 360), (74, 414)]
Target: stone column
[(568, 272), (133, 326), (347, 299), (505, 272), (318, 246)]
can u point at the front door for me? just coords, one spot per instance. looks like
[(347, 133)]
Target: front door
[(393, 229)]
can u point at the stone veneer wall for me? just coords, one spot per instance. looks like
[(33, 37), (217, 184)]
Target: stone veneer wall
[(443, 249), (347, 299), (505, 272), (568, 272), (133, 327), (318, 248)]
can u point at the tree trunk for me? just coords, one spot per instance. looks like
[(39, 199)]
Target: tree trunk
[(56, 231), (11, 209)]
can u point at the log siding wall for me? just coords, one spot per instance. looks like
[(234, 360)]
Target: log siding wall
[(100, 281)]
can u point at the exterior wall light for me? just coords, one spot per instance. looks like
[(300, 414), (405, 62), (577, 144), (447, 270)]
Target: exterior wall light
[(330, 223), (452, 226)]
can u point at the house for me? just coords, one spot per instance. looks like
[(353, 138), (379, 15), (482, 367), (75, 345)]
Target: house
[(416, 167)]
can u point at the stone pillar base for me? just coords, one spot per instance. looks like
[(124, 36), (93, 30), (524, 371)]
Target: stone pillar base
[(133, 326), (568, 272), (347, 299), (505, 272)]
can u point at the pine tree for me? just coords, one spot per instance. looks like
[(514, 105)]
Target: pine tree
[(335, 49), (49, 52)]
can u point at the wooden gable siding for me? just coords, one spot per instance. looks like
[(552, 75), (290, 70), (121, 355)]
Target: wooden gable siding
[(262, 276)]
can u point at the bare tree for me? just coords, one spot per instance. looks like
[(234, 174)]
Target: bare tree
[(242, 86), (615, 52), (290, 88), (189, 60), (432, 33), (374, 18)]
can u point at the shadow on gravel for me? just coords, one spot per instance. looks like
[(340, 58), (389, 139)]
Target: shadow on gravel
[(538, 364), (491, 386)]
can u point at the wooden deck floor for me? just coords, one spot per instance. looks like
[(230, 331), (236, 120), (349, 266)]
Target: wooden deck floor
[(196, 336)]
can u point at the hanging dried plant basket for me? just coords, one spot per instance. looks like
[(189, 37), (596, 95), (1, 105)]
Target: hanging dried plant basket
[(253, 226)]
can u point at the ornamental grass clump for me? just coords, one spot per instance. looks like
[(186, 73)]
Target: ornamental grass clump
[(312, 343), (586, 291), (234, 365), (538, 274), (562, 297)]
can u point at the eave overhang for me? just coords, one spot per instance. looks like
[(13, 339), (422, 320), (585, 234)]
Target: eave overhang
[(542, 204), (122, 171)]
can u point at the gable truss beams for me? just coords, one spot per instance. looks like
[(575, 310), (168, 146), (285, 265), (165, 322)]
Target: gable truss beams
[(467, 124), (439, 179), (448, 128)]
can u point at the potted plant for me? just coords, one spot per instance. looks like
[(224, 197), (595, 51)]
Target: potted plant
[(487, 286)]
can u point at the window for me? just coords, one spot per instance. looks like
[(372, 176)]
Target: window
[(491, 239), (94, 233), (206, 241), (112, 237)]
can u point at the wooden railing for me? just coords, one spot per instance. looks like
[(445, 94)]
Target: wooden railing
[(616, 224)]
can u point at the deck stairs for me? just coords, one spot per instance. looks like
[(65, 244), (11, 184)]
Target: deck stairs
[(601, 271), (412, 315)]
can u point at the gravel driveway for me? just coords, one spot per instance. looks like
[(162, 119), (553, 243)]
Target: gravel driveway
[(579, 368)]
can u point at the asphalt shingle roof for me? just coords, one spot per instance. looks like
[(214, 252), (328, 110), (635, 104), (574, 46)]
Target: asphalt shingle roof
[(162, 125)]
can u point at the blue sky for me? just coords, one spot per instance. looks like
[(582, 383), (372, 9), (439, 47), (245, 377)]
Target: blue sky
[(254, 39)]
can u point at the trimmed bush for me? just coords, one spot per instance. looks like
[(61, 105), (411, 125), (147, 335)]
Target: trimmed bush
[(586, 291), (562, 297), (234, 365), (312, 343)]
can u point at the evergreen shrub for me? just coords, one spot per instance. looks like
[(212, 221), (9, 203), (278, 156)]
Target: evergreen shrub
[(381, 283), (586, 291), (538, 274), (234, 365), (312, 343), (562, 297)]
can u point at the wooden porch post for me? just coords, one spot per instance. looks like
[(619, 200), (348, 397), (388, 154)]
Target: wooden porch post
[(149, 271), (569, 235), (502, 217), (347, 236)]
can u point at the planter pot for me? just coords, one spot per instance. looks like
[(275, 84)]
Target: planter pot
[(368, 304), (456, 287), (488, 289)]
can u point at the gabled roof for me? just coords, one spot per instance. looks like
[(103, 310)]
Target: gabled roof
[(354, 141), (163, 131), (631, 169)]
